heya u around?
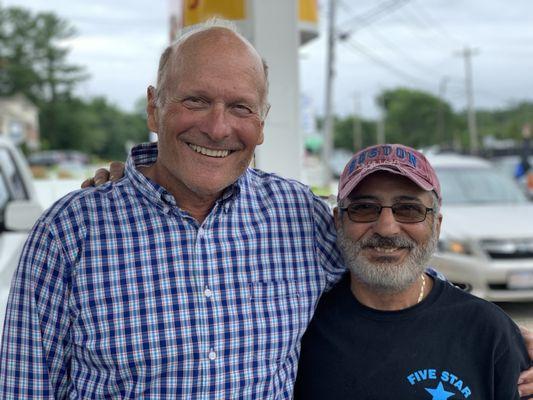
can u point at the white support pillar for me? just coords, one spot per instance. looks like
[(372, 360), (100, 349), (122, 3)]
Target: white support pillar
[(272, 27)]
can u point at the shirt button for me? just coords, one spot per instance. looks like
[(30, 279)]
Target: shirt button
[(212, 355), (208, 292)]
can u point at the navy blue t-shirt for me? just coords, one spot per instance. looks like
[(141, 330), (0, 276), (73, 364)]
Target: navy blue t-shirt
[(452, 345)]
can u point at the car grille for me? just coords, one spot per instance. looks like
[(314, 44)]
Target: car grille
[(503, 286), (508, 249)]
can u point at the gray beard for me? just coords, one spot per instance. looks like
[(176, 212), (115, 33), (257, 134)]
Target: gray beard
[(384, 276)]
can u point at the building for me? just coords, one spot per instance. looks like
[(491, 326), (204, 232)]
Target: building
[(19, 120)]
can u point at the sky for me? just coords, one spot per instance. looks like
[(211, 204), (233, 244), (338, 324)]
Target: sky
[(388, 44)]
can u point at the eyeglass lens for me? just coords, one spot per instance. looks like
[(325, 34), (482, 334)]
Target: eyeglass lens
[(403, 212)]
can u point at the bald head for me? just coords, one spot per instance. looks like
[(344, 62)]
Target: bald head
[(211, 43)]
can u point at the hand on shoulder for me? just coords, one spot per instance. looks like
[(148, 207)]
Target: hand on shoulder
[(102, 175)]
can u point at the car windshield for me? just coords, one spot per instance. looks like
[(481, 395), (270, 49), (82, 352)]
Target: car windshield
[(478, 186)]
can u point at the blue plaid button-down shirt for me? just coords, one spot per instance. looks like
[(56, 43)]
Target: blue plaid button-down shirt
[(120, 294)]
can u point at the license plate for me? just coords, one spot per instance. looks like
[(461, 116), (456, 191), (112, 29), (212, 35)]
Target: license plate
[(520, 280)]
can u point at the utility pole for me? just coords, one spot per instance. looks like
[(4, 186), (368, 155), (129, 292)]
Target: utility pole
[(175, 19), (380, 137), (327, 149), (357, 129), (467, 54), (441, 131)]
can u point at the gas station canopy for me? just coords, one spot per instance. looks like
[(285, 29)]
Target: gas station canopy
[(196, 11)]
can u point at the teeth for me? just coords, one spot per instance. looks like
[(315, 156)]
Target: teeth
[(208, 152), (386, 249)]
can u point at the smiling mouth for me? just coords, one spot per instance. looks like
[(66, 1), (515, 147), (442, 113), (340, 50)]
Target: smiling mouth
[(387, 249), (209, 152)]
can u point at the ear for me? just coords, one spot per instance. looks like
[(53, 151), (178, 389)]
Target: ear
[(261, 137), (439, 222), (337, 217), (152, 110)]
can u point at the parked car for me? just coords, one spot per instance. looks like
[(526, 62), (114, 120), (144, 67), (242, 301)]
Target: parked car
[(510, 165), (50, 158), (486, 240), (19, 209)]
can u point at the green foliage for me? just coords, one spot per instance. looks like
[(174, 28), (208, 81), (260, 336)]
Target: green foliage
[(416, 118), (115, 129), (95, 127), (33, 61), (420, 119), (504, 124), (33, 56), (344, 137)]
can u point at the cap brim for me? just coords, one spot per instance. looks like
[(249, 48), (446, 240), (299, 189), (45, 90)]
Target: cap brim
[(348, 189)]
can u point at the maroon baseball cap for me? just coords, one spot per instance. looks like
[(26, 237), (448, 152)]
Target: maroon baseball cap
[(394, 158)]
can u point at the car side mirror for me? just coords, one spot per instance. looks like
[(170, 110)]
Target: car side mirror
[(20, 215)]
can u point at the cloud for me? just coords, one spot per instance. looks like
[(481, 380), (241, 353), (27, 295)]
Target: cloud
[(120, 41)]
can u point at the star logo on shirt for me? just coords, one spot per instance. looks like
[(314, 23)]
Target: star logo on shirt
[(439, 393)]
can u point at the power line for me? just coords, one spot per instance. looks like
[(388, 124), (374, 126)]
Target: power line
[(426, 22), (372, 15), (434, 23), (359, 48), (345, 6), (365, 20), (391, 46), (414, 23)]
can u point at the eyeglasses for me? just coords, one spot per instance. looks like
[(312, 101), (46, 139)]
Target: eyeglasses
[(407, 213)]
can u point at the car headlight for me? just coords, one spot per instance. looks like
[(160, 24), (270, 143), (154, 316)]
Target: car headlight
[(454, 246)]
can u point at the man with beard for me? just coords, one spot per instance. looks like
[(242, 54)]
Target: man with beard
[(389, 330)]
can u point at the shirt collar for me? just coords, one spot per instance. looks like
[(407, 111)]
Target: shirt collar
[(145, 154)]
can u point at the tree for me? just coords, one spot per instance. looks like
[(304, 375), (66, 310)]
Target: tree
[(33, 61), (115, 129), (416, 118), (96, 127), (17, 73), (505, 123), (33, 56), (58, 77), (344, 133)]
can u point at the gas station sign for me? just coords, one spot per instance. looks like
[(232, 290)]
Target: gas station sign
[(196, 11)]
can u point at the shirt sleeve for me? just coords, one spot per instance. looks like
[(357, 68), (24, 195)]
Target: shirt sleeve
[(509, 364), (34, 358), (435, 274), (325, 242)]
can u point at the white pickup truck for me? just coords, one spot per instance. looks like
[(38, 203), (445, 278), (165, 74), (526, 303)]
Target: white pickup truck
[(19, 209)]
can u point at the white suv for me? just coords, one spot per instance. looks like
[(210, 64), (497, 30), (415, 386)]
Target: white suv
[(19, 209), (486, 241)]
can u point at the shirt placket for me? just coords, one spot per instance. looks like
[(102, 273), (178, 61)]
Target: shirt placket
[(207, 298)]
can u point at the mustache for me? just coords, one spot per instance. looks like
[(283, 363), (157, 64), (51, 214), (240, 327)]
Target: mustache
[(377, 240)]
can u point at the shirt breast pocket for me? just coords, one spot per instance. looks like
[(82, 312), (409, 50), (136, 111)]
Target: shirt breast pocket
[(277, 318)]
